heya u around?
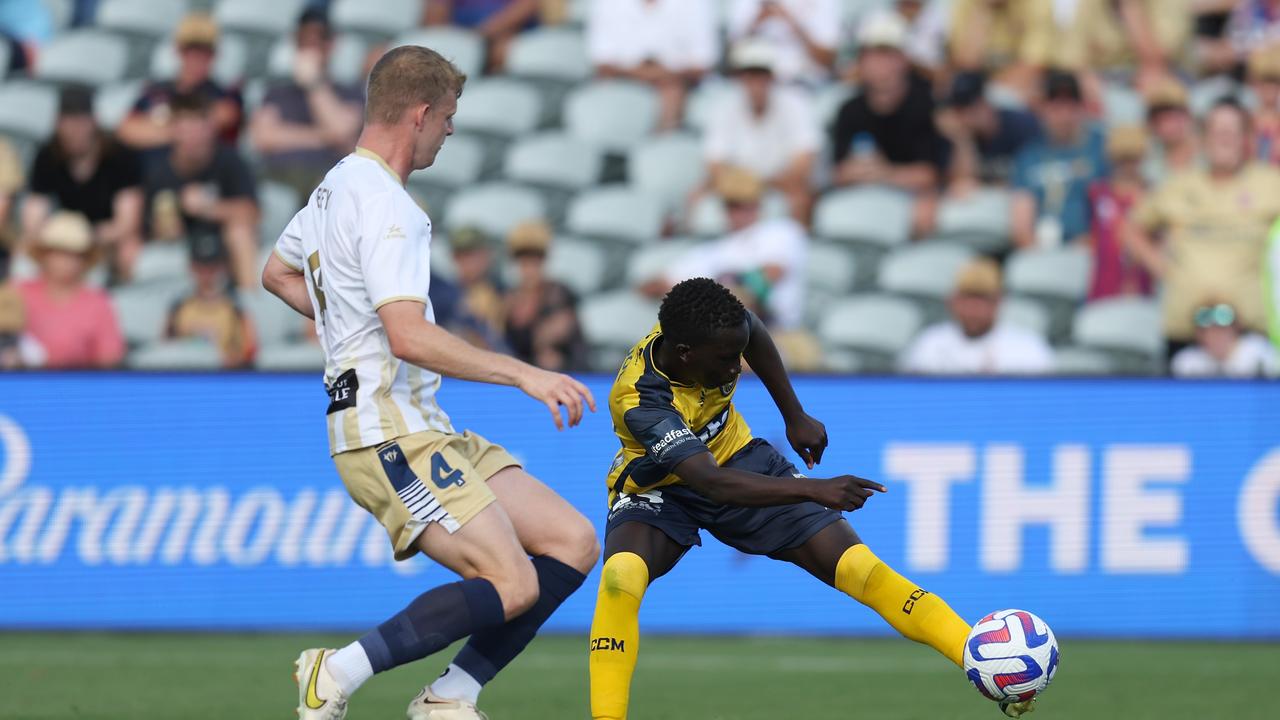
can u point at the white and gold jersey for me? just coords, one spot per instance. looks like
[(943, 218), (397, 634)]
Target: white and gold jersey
[(362, 242)]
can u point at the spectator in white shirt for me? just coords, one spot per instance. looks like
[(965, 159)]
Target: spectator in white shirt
[(1223, 348), (973, 342), (669, 44), (763, 259), (764, 127), (805, 32)]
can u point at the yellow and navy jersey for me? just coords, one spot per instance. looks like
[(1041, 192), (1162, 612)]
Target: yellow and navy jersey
[(661, 422)]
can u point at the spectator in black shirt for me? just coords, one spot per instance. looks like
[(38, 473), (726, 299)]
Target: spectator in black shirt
[(541, 314), (984, 138), (83, 170), (199, 187), (148, 126), (886, 134)]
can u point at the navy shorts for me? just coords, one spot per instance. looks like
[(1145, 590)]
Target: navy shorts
[(680, 513)]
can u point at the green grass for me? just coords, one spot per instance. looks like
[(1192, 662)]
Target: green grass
[(248, 677)]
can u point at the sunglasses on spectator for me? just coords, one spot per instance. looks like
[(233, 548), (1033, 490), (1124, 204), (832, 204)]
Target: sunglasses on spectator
[(1220, 315)]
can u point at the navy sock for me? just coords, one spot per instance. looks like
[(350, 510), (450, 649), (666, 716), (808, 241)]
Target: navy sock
[(432, 621), (489, 651)]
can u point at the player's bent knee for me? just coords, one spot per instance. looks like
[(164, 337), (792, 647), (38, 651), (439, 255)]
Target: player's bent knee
[(625, 573), (518, 588), (581, 547)]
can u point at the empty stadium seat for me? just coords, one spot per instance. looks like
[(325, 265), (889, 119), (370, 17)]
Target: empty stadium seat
[(550, 53), (830, 269), (614, 114), (258, 17), (142, 311), (296, 356), (873, 216), (579, 264), (499, 106), (346, 63), (161, 262), (1058, 278), (1026, 314), (697, 107), (613, 322), (1122, 105), (111, 104), (554, 159), (86, 57), (1081, 361), (464, 48), (229, 64), (379, 18), (979, 219), (875, 327), (1128, 329), (153, 18), (927, 270), (27, 110), (274, 322), (185, 354), (494, 207), (650, 262), (617, 214), (458, 165), (277, 203), (669, 167)]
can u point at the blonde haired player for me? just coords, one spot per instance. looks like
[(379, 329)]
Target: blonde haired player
[(356, 259)]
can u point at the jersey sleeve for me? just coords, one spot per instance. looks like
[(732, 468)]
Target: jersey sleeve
[(394, 252), (289, 245), (666, 438)]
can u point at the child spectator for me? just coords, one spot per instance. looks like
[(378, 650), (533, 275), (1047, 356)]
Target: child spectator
[(211, 311), (1111, 199), (1223, 348)]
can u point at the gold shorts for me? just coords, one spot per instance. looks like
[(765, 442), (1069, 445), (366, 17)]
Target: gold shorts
[(415, 480)]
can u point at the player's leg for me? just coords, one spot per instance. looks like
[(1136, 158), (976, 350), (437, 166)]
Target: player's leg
[(564, 549), (643, 541), (836, 556)]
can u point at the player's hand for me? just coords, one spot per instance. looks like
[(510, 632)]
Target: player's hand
[(846, 492), (555, 390), (808, 438)]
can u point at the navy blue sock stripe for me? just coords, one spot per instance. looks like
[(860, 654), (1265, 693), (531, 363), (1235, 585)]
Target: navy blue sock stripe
[(432, 621), (486, 653)]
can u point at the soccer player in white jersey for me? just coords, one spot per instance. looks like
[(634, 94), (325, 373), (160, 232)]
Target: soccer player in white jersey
[(356, 260)]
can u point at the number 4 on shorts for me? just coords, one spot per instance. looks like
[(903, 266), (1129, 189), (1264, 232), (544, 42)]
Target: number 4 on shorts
[(442, 474)]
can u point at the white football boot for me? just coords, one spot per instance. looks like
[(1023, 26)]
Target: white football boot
[(318, 695), (1018, 709), (428, 706)]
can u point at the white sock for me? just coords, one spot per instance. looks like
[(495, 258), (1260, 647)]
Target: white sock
[(456, 684), (349, 667)]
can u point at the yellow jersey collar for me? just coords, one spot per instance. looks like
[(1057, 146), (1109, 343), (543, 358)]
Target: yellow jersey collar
[(371, 155), (653, 363)]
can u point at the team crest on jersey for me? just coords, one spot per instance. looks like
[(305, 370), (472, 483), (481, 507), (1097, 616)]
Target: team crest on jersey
[(727, 388), (390, 455)]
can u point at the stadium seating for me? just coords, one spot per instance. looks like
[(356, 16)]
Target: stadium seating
[(873, 328), (579, 264), (229, 65), (27, 111), (461, 46), (161, 262), (1057, 278), (612, 323), (556, 54), (650, 262), (274, 322), (277, 204), (185, 354), (1081, 361), (111, 104), (870, 220), (497, 110), (376, 19), (979, 219), (459, 164), (258, 18), (346, 63), (668, 167), (615, 115), (1126, 329), (617, 214), (556, 163), (6, 55), (709, 218), (924, 273), (1122, 105), (1026, 314), (831, 272), (297, 356), (142, 311), (149, 18), (494, 207), (86, 57), (697, 107)]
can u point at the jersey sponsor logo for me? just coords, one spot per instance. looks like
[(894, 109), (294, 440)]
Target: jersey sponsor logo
[(443, 474), (714, 427), (342, 392), (910, 604), (672, 439), (395, 232), (608, 643), (313, 699), (646, 501)]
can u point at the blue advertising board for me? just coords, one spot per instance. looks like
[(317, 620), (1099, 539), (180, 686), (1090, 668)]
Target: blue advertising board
[(1109, 507)]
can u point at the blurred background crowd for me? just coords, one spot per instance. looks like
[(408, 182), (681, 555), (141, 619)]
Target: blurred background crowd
[(921, 186)]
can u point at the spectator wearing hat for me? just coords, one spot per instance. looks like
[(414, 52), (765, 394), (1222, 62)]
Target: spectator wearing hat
[(1203, 232), (309, 122), (542, 314), (73, 322), (667, 44), (200, 187), (763, 258), (211, 312), (1111, 199), (1224, 348), (973, 342), (1175, 146), (482, 309), (984, 138), (765, 127), (17, 348), (148, 126), (497, 21), (1052, 175), (12, 181), (886, 134), (1264, 80), (804, 34), (83, 170)]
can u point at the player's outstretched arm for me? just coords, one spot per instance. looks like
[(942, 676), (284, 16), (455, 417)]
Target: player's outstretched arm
[(287, 284), (415, 340), (747, 489), (807, 436)]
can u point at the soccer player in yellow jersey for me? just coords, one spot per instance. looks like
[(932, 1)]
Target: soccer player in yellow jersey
[(688, 462)]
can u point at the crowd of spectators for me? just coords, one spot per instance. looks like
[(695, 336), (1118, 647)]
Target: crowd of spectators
[(942, 99)]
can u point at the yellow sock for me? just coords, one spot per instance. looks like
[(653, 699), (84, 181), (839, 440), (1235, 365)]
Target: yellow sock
[(615, 634), (916, 613)]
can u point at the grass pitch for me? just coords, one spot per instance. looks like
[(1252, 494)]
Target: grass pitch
[(248, 677)]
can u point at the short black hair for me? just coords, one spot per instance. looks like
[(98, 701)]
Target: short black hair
[(315, 15), (697, 308)]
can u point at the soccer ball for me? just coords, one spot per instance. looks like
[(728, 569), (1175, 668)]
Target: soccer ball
[(1010, 656)]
